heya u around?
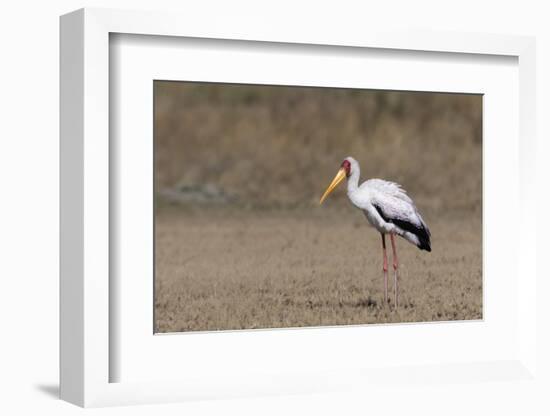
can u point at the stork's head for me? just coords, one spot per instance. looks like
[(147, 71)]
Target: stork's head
[(348, 167)]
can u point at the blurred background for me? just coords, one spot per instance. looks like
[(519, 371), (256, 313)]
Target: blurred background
[(279, 147)]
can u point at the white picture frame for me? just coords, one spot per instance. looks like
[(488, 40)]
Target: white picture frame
[(87, 356)]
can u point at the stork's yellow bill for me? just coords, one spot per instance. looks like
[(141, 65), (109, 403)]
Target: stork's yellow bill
[(340, 176)]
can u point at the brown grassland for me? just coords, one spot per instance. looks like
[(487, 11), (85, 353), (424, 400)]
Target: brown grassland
[(241, 241)]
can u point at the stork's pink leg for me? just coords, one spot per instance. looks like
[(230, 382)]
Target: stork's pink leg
[(385, 267), (395, 266)]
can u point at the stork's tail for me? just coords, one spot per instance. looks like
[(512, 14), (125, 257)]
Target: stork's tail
[(419, 236), (424, 241)]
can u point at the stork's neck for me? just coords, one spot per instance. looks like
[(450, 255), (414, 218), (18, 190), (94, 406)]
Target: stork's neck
[(353, 180)]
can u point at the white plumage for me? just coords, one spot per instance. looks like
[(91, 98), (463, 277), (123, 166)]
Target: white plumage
[(387, 208)]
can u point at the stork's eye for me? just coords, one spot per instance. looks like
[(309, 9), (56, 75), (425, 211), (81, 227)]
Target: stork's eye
[(347, 167)]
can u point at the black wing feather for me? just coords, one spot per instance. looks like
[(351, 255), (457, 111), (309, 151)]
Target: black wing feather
[(422, 232)]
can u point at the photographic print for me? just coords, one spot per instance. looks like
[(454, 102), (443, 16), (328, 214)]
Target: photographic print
[(291, 206)]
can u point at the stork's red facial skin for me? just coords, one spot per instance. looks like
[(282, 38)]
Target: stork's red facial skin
[(347, 167)]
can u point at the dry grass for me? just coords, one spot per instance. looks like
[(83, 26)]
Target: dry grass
[(220, 269)]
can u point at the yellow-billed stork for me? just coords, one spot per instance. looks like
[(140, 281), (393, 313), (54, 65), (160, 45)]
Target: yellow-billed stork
[(389, 209)]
